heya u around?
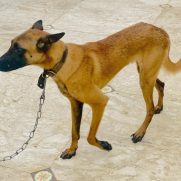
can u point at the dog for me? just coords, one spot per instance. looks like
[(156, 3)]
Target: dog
[(81, 71)]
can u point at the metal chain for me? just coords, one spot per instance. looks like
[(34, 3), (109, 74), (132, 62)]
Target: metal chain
[(31, 135)]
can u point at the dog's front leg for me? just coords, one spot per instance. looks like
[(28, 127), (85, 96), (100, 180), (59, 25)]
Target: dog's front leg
[(76, 108), (98, 102), (97, 110)]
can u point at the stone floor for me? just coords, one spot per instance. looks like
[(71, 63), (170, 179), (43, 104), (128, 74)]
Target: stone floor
[(156, 158)]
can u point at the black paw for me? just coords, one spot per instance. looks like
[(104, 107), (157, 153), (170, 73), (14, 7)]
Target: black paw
[(67, 155), (105, 145), (136, 138), (158, 110)]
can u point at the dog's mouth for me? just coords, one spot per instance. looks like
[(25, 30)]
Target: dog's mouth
[(13, 59)]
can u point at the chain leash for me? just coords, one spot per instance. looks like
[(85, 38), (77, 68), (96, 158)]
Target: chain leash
[(32, 133)]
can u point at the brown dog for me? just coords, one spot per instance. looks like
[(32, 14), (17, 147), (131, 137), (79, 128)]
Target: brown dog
[(85, 69)]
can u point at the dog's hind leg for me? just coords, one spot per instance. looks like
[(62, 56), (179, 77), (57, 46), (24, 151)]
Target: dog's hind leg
[(147, 86), (148, 69), (160, 88), (76, 108), (159, 85)]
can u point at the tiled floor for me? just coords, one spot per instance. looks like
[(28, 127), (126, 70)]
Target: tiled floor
[(156, 158)]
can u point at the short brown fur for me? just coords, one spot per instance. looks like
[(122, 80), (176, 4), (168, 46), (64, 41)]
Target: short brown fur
[(89, 67)]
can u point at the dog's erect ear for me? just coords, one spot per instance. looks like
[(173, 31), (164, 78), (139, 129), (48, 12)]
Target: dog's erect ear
[(55, 37), (44, 43), (38, 25)]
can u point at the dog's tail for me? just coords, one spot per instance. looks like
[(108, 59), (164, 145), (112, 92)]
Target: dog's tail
[(171, 66)]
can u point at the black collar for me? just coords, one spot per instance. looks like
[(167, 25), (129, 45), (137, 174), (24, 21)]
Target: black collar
[(58, 66), (52, 72)]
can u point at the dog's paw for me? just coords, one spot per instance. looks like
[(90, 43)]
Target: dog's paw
[(68, 154), (136, 137), (105, 145), (158, 109)]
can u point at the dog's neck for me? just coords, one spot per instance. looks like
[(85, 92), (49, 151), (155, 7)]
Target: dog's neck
[(53, 56)]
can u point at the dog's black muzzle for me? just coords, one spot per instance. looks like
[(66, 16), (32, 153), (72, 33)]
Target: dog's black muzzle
[(13, 59)]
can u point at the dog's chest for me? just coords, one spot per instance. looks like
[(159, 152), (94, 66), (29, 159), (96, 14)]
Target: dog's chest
[(63, 89)]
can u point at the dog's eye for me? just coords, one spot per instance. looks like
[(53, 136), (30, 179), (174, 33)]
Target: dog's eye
[(16, 45), (18, 49), (41, 45)]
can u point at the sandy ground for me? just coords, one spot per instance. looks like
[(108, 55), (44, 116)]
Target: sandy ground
[(156, 158)]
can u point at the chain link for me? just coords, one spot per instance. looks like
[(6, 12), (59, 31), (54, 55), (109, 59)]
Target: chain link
[(31, 135)]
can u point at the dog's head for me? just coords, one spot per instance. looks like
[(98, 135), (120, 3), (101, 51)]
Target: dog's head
[(29, 48)]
